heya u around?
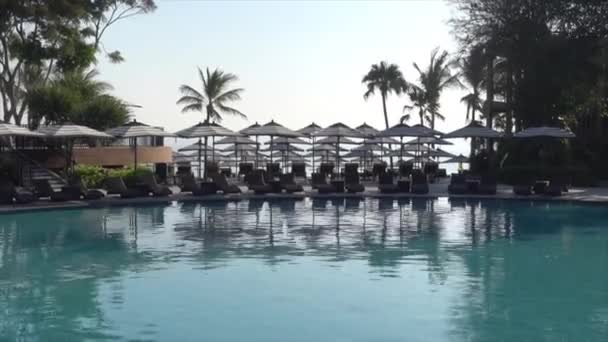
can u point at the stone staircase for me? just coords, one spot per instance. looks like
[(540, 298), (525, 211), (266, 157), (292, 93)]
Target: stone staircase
[(32, 170)]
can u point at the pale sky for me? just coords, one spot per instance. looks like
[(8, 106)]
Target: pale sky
[(298, 61)]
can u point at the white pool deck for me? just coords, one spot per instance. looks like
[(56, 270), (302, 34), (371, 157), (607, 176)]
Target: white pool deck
[(586, 195)]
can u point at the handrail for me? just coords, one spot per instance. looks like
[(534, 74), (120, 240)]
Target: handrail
[(37, 164)]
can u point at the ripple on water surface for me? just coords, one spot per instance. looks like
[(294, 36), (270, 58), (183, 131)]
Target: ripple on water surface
[(308, 270)]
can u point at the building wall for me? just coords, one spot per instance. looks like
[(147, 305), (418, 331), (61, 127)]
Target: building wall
[(123, 155)]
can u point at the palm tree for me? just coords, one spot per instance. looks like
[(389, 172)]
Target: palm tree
[(472, 68), (214, 99), (434, 79), (385, 78), (215, 96)]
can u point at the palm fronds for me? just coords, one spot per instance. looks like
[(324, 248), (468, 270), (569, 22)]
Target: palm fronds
[(215, 96)]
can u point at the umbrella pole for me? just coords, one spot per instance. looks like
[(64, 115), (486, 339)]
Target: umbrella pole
[(135, 157), (199, 157), (271, 147), (401, 149), (205, 157), (236, 159), (338, 154), (257, 151), (313, 154), (212, 148)]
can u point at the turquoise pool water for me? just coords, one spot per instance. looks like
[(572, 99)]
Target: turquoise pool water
[(307, 271)]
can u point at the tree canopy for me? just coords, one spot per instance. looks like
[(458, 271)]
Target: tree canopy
[(545, 63), (79, 98), (39, 38), (215, 96)]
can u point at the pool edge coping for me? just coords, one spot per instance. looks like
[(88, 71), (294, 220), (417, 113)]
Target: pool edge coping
[(187, 198)]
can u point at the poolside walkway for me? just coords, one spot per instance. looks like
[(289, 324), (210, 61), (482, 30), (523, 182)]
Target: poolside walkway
[(588, 195)]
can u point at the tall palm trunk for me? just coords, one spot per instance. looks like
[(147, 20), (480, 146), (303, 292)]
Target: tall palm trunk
[(386, 122), (473, 112), (509, 99), (206, 140)]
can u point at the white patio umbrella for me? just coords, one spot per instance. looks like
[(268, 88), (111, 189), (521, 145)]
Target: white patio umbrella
[(246, 130), (367, 130), (422, 160), (458, 159), (338, 131), (273, 129), (239, 147), (334, 141), (134, 130), (69, 133), (381, 141), (428, 141), (288, 140), (473, 130), (10, 130), (205, 130), (308, 132), (402, 130), (236, 141), (438, 153), (199, 145), (282, 148)]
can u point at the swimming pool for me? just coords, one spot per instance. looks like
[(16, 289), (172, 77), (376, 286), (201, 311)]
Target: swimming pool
[(322, 270)]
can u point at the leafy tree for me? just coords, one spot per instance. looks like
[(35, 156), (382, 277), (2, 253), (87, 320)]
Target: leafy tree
[(79, 98), (39, 38), (215, 97), (387, 79), (105, 13), (547, 60)]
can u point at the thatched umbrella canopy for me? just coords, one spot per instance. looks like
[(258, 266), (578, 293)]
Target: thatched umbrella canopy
[(338, 131), (69, 133), (205, 130), (473, 130)]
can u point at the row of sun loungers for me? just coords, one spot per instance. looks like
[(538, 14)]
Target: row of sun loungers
[(261, 182)]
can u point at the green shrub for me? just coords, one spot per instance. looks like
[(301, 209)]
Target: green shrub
[(91, 176), (577, 175), (129, 175), (95, 176)]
